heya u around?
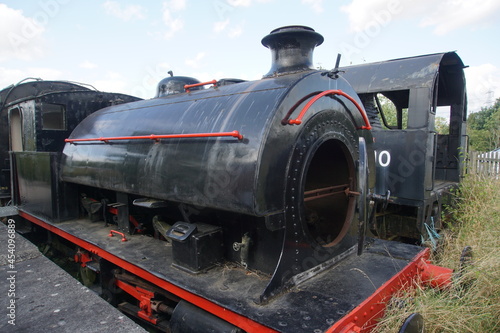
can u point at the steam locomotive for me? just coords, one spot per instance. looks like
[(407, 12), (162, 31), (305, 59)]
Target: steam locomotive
[(240, 207)]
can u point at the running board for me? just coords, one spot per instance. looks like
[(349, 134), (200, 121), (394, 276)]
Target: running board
[(8, 211)]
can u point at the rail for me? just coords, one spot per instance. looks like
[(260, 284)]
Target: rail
[(189, 86), (317, 96), (157, 138)]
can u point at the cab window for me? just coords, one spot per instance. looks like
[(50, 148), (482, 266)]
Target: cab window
[(53, 117)]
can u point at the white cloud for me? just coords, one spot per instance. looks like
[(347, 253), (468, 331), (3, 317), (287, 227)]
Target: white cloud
[(362, 13), (454, 14), (445, 16), (20, 36), (219, 26), (239, 3), (10, 76), (163, 67), (232, 29), (483, 86), (112, 81), (125, 13), (177, 5), (246, 3), (87, 65), (196, 61), (316, 5), (235, 31), (170, 16)]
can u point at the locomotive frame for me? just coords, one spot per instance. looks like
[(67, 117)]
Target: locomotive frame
[(272, 249)]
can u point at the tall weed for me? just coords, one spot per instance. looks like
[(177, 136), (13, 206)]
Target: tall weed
[(472, 304)]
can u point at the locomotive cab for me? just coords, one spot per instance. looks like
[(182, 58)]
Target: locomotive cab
[(416, 166)]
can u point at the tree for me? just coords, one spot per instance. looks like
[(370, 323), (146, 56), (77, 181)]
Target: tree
[(390, 112), (483, 128), (442, 125)]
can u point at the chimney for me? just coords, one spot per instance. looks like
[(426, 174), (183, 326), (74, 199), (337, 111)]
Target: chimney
[(291, 49)]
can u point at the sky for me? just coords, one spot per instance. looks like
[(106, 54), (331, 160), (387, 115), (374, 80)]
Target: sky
[(129, 46)]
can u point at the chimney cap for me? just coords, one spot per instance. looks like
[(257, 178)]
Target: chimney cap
[(292, 31)]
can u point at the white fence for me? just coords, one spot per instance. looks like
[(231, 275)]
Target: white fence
[(487, 164)]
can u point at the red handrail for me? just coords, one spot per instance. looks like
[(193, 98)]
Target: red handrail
[(111, 232), (234, 134), (298, 120), (187, 86)]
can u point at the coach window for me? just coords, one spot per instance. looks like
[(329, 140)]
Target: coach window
[(53, 117)]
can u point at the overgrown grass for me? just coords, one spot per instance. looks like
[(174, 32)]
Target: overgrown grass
[(473, 303)]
